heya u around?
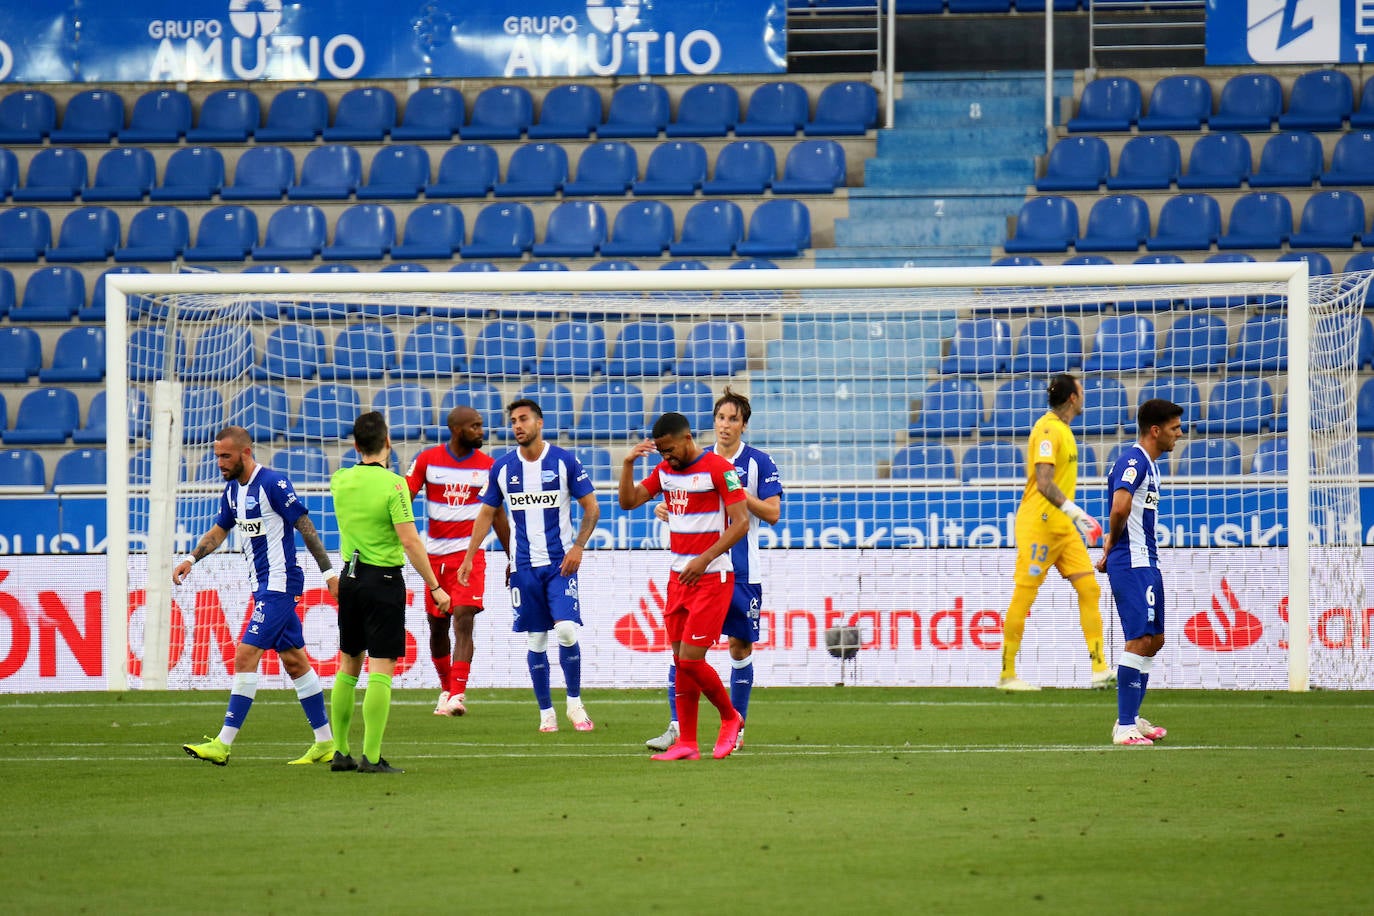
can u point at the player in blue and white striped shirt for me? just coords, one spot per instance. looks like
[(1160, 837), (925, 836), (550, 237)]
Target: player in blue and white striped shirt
[(263, 507), (1130, 558)]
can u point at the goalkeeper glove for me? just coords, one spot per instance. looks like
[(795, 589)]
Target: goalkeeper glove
[(1084, 522)]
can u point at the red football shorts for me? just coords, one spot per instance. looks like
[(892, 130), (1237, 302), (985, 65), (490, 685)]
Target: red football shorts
[(696, 612), (446, 569)]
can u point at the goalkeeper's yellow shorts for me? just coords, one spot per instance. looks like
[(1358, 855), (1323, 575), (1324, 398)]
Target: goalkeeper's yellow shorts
[(1040, 548)]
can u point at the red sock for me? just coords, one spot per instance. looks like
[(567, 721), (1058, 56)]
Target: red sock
[(708, 682), (441, 666), (458, 680), (688, 702)]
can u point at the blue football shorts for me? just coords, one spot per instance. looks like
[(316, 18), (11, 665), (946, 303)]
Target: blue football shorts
[(273, 622), (742, 620), (1139, 595), (542, 596)]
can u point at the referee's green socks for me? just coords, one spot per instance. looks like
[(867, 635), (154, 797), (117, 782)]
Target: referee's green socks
[(376, 710), (341, 700)]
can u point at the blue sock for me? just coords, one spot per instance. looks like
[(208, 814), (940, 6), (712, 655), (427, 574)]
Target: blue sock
[(1144, 685), (314, 710), (741, 684), (238, 710), (1128, 688), (570, 660), (539, 676), (672, 693)]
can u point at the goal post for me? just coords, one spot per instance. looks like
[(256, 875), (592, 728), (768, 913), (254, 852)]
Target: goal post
[(844, 368)]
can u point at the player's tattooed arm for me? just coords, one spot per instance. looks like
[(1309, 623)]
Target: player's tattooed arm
[(1044, 482), (209, 543), (312, 542)]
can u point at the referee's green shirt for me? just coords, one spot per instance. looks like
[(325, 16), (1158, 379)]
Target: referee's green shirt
[(369, 501)]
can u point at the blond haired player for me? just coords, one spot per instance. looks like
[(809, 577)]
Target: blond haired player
[(1050, 529)]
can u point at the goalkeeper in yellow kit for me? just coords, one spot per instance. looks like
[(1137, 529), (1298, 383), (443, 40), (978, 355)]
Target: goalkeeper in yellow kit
[(1050, 529)]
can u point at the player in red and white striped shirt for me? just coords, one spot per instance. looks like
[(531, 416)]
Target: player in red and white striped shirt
[(453, 476), (707, 515)]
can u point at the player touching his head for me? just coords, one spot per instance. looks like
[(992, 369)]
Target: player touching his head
[(1130, 558), (1050, 529), (707, 516)]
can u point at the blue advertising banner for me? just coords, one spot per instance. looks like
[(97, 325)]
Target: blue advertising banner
[(1289, 31), (213, 40)]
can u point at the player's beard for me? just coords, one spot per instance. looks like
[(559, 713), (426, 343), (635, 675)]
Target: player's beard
[(472, 442), (234, 472)]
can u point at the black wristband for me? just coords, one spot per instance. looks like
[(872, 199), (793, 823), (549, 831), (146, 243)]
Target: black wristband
[(435, 589)]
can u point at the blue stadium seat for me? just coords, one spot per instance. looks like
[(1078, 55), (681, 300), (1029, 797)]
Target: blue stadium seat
[(1330, 219), (22, 472), (1261, 344), (302, 464), (684, 264), (1048, 345), (846, 108), (1318, 264), (191, 173), (642, 229), (706, 110), (812, 167), (1352, 160), (754, 264), (575, 229), (675, 168), (81, 470), (598, 464), (1195, 343), (500, 113), (503, 230), (637, 110), (367, 113), (329, 172), (611, 410), (27, 116), (980, 346), (1108, 104), (643, 348), (1048, 223), (1238, 404), (1260, 219), (408, 408), (1218, 160), (47, 416), (156, 234), (534, 170), (1328, 404), (713, 348), (1016, 405), (1187, 222), (1271, 457), (503, 348), (777, 109), (1293, 158), (221, 353), (995, 460), (95, 311), (55, 173), (326, 412), (1364, 407), (966, 7), (433, 349), (25, 233), (1248, 101), (51, 294), (7, 298), (569, 111), (141, 467), (710, 228), (87, 234), (96, 431), (159, 116), (227, 116), (1122, 342), (362, 351), (924, 461), (263, 410), (1178, 103), (573, 349), (9, 172), (1180, 389), (399, 171), (431, 231), (1319, 100), (1117, 222), (778, 228), (1079, 163), (21, 354), (78, 356), (431, 113), (556, 401), (91, 116), (689, 397), (125, 173), (1106, 407), (291, 351), (481, 397), (295, 232), (949, 407), (1147, 163), (615, 264), (262, 173), (295, 116), (605, 170), (465, 170), (1363, 115), (1209, 458), (364, 232), (743, 167)]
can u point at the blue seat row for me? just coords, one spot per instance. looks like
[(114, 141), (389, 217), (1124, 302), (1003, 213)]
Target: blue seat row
[(506, 112), (401, 171), (1217, 160), (1319, 100)]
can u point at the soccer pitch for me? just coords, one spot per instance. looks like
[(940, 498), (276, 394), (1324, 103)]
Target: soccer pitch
[(843, 800)]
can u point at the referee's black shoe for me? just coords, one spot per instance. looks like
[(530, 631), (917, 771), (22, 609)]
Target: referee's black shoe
[(381, 766), (342, 763)]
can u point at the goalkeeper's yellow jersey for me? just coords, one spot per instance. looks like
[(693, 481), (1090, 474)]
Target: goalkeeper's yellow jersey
[(1051, 441)]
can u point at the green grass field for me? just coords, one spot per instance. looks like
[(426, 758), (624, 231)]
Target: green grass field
[(844, 800)]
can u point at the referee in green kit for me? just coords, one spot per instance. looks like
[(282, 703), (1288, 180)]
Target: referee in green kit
[(377, 529)]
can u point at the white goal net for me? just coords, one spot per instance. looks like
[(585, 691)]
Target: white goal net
[(896, 404)]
